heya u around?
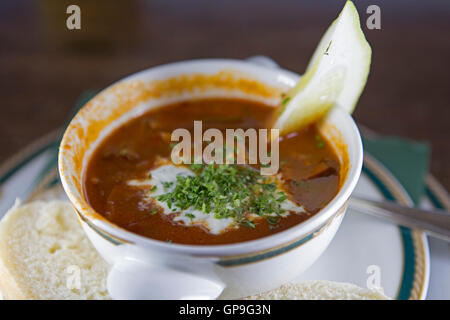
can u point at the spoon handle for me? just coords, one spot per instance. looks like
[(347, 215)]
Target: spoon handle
[(434, 222)]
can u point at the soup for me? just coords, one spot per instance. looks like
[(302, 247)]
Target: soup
[(131, 181)]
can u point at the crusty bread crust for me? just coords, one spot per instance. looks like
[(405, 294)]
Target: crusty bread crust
[(8, 286), (320, 290)]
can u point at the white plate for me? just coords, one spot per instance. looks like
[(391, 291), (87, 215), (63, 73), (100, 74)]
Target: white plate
[(364, 247)]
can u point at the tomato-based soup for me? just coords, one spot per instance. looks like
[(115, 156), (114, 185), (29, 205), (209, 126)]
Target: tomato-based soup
[(131, 181)]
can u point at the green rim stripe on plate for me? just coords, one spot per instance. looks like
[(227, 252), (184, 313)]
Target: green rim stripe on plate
[(434, 199), (25, 161), (408, 246)]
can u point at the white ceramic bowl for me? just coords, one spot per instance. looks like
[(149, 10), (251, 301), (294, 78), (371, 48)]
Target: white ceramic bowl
[(142, 268)]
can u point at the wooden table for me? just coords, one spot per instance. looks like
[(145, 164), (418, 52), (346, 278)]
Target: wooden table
[(44, 66)]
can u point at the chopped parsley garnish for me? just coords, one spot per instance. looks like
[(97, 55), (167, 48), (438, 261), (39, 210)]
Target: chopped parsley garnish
[(227, 191), (283, 104), (301, 183), (167, 185), (248, 223), (285, 101), (319, 142), (273, 220)]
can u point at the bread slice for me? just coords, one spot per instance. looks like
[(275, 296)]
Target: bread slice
[(44, 254), (320, 290)]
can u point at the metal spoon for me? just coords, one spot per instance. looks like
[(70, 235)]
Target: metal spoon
[(434, 222)]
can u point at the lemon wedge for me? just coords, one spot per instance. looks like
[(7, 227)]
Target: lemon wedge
[(335, 76)]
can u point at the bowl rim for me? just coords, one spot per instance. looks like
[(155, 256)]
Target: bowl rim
[(241, 248)]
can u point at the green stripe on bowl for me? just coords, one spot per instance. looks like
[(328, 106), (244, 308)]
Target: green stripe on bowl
[(266, 255)]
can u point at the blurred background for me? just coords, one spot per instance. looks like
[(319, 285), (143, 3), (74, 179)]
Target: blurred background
[(44, 67)]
